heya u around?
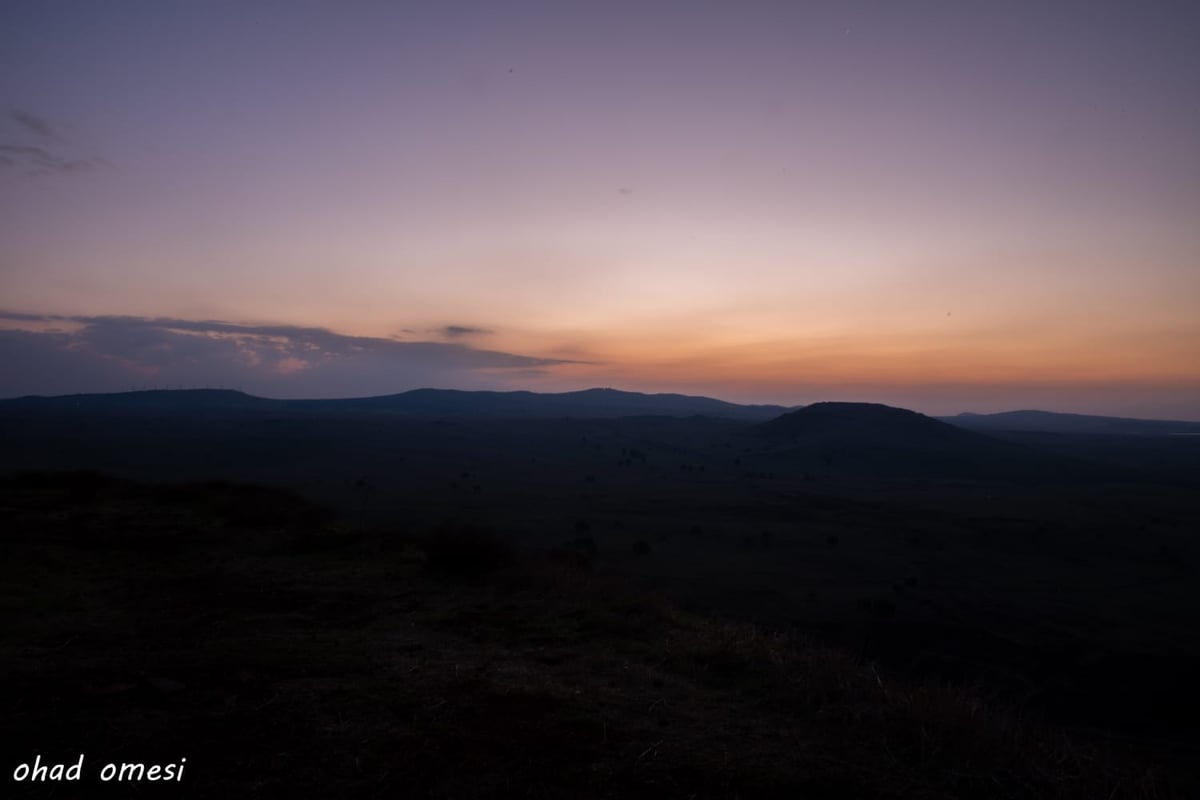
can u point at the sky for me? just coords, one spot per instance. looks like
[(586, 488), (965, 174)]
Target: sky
[(947, 206)]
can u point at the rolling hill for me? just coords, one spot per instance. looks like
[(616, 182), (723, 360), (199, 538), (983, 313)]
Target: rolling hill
[(869, 439), (1052, 422), (586, 404), (865, 423)]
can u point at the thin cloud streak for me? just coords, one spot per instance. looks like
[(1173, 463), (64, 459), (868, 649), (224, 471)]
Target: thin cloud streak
[(35, 125), (42, 161), (458, 331), (48, 157)]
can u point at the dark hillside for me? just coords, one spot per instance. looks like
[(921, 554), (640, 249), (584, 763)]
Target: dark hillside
[(873, 440), (865, 424), (1053, 422), (286, 655), (1001, 566)]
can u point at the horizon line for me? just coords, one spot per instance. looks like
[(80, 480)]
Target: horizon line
[(795, 407)]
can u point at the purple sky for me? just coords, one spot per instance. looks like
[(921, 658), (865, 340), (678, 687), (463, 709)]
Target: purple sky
[(943, 205)]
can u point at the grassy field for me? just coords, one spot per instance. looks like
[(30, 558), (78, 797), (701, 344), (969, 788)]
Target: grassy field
[(285, 652)]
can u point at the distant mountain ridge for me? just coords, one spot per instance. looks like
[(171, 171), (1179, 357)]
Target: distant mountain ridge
[(597, 403), (588, 403), (1053, 422), (144, 399)]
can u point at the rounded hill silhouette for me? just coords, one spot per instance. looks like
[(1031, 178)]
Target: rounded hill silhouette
[(866, 423), (874, 439)]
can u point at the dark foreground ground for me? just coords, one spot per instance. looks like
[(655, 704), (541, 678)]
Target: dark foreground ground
[(283, 652)]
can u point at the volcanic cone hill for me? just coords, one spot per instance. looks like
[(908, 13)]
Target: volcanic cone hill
[(868, 423), (878, 440)]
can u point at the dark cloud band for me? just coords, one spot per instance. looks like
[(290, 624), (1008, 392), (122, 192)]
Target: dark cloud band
[(113, 352)]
